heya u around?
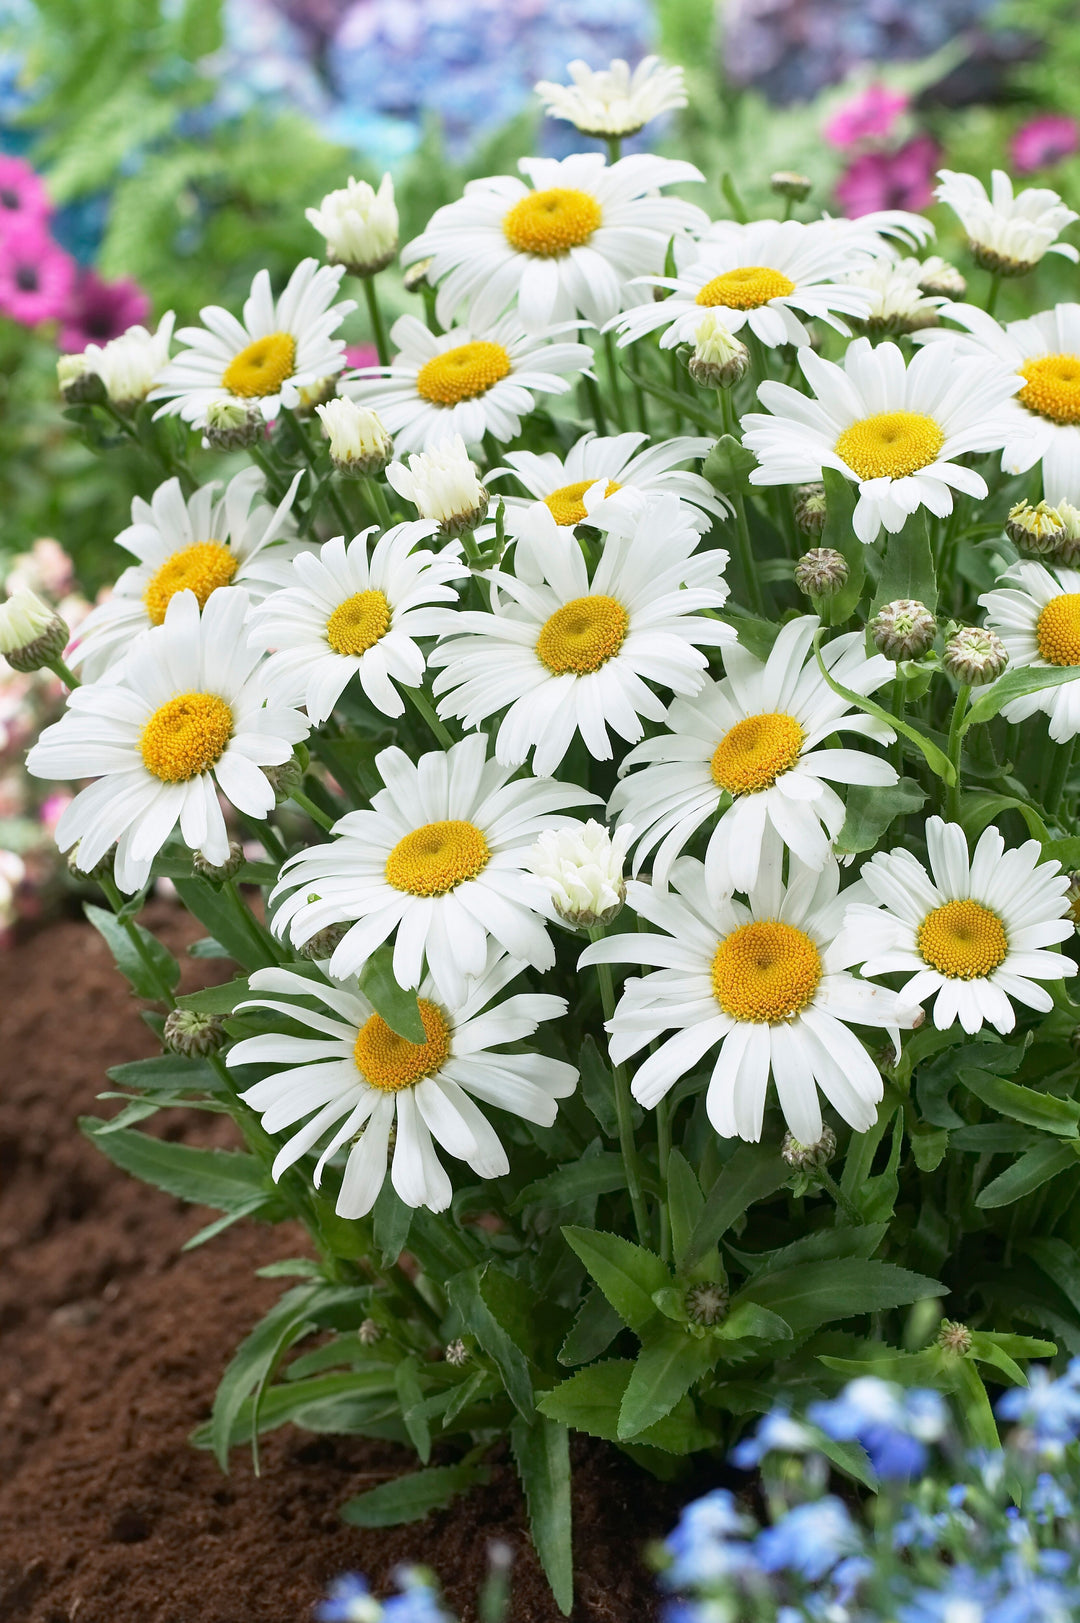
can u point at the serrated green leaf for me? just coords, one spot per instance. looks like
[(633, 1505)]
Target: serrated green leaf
[(216, 999), (579, 1180), (1015, 685), (542, 1454), (254, 1362), (908, 567), (411, 1398), (935, 758), (227, 922), (411, 1498), (465, 1292), (1043, 1110), (729, 464), (391, 1222), (1034, 1168), (222, 1178), (667, 1367), (839, 534), (751, 1322), (591, 1398), (166, 1073), (685, 1204), (397, 1005), (598, 1087), (148, 970), (753, 1173), (625, 1272), (593, 1330), (869, 811), (817, 1293)]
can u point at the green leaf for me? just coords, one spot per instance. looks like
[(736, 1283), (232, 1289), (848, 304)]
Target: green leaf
[(542, 1454), (685, 1204), (227, 921), (750, 1322), (1034, 1109), (296, 1401), (255, 1361), (732, 198), (216, 999), (668, 1365), (1034, 1168), (198, 29), (870, 811), (1015, 685), (936, 759), (578, 1180), (626, 1273), (928, 1145), (908, 568), (465, 1291), (166, 1073), (391, 1222), (729, 464), (817, 1293), (411, 1498), (1060, 1263), (754, 1172), (210, 1231), (591, 1398), (840, 499), (598, 1087), (397, 1005), (593, 1330), (979, 807), (222, 1178), (411, 1399), (147, 971)]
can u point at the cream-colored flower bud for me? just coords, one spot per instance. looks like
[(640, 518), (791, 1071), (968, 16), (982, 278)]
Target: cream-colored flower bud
[(707, 1303), (940, 279), (582, 867), (809, 1157), (443, 485), (193, 1034), (359, 442), (219, 872), (811, 510), (32, 635), (360, 226), (975, 656), (789, 183), (79, 384), (954, 1337), (1036, 532), (128, 366), (719, 359), (231, 425), (1068, 547)]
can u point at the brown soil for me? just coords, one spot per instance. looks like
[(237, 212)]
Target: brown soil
[(112, 1341)]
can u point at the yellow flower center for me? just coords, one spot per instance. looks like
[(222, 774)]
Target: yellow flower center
[(765, 972), (890, 445), (754, 753), (201, 569), (262, 367), (387, 1061), (747, 287), (963, 940), (1057, 630), (566, 505), (1053, 387), (462, 373), (185, 736), (434, 858), (357, 624), (583, 635), (552, 222)]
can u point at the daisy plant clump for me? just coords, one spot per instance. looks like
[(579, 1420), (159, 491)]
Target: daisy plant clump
[(619, 749)]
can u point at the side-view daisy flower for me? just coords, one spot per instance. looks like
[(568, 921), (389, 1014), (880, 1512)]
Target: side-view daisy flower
[(198, 545), (757, 275), (564, 245), (892, 429), (357, 1081), (614, 101), (470, 381), (185, 719), (570, 654), (1036, 613), (767, 984), (972, 932), (1007, 234), (440, 862), (345, 614), (281, 347), (749, 747)]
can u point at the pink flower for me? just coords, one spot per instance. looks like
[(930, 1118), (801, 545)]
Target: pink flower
[(22, 193), (890, 180), (45, 569), (868, 117), (98, 311), (1045, 140), (361, 355), (53, 807), (36, 276)]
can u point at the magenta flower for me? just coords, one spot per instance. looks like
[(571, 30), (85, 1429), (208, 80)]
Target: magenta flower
[(36, 276), (97, 311), (22, 193), (357, 355), (870, 116), (890, 180), (1043, 141)]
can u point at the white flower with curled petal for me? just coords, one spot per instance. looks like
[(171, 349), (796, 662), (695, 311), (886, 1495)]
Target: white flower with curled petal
[(1008, 234), (614, 101)]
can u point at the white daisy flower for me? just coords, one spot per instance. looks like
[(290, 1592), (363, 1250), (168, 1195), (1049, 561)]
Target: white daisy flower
[(281, 347), (757, 275), (359, 225), (185, 718), (569, 654), (1007, 234), (357, 1080), (974, 935), (345, 615), (766, 984), (897, 301), (442, 484), (441, 858), (582, 867), (748, 747), (1037, 616), (613, 102), (128, 366), (469, 381), (197, 545), (893, 430), (565, 245)]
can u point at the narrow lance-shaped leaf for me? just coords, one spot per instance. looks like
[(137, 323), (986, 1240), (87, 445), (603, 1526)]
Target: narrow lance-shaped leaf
[(542, 1453)]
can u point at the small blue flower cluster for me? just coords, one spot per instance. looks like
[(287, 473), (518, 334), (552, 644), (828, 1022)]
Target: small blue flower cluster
[(351, 1601)]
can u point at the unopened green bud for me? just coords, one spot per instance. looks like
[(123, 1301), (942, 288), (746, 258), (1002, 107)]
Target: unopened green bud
[(32, 635), (975, 656), (789, 183), (1068, 551), (719, 359), (707, 1304), (954, 1337), (102, 868), (231, 425), (79, 384), (191, 1033), (809, 1157), (218, 872), (821, 572), (903, 630), (285, 778), (1036, 532), (810, 510), (324, 943), (415, 277)]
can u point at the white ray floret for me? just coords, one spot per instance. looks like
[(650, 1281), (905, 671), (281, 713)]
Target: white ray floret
[(1007, 233), (129, 365), (1036, 613), (614, 101)]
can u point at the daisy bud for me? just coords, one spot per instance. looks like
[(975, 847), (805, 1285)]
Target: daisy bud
[(789, 183), (218, 872), (359, 443), (416, 276), (456, 1353), (103, 866), (809, 1157), (79, 383), (1068, 551), (706, 1304), (32, 634), (1036, 532), (324, 943), (810, 512), (582, 868), (128, 366), (443, 485), (369, 1333), (231, 425), (719, 359), (284, 779), (360, 226), (190, 1033), (954, 1337), (821, 572), (975, 656), (941, 280), (313, 395), (903, 630)]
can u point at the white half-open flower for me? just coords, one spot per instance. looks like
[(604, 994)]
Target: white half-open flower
[(974, 936), (470, 381), (614, 101), (359, 224), (563, 246), (185, 719), (897, 302), (128, 366), (359, 442), (199, 545), (582, 867), (24, 617), (355, 1080), (570, 654), (443, 485), (749, 747), (344, 614), (894, 430), (1007, 234), (1036, 613), (281, 347), (440, 862), (767, 986), (763, 275)]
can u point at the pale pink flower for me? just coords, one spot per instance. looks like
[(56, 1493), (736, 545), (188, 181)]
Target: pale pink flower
[(870, 116)]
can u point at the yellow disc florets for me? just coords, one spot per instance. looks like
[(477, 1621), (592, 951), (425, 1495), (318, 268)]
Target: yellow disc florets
[(462, 373), (566, 505), (387, 1061), (1053, 387), (357, 624), (765, 972), (755, 752), (261, 367), (583, 635), (201, 569), (185, 736), (551, 222), (963, 940), (747, 287), (1057, 630), (890, 445), (434, 858)]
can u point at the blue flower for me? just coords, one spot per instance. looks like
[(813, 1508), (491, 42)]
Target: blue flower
[(1047, 1407), (809, 1540), (777, 1433), (349, 1601), (703, 1545), (893, 1425)]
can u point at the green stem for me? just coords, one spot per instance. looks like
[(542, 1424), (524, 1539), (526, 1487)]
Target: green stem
[(613, 379), (952, 799), (1060, 767), (263, 830), (663, 1144), (849, 1209), (316, 813), (257, 933), (420, 702), (375, 315), (374, 492), (992, 296), (899, 697), (275, 484), (341, 512), (116, 902), (68, 677), (623, 1104), (614, 148), (596, 405), (743, 545)]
